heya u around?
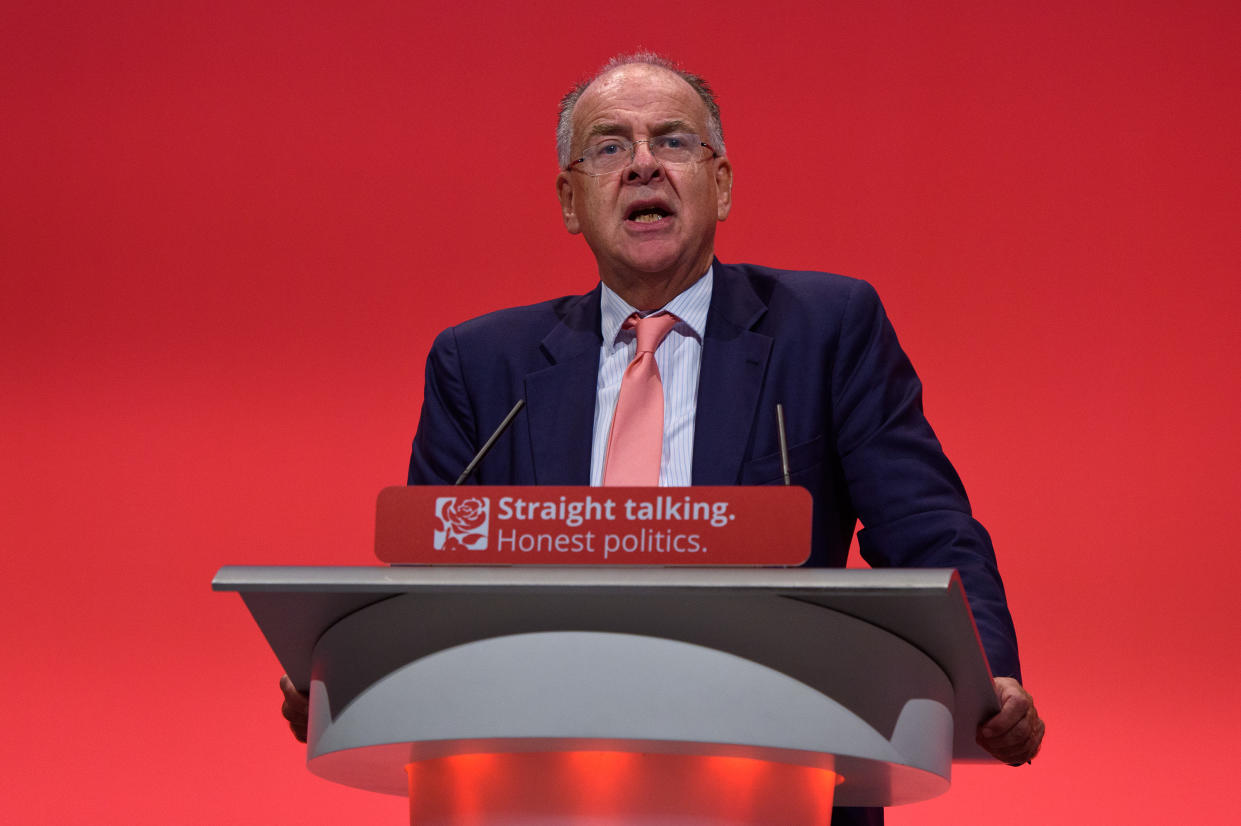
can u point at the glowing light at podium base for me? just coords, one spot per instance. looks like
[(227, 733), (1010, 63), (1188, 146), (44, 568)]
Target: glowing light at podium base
[(605, 788)]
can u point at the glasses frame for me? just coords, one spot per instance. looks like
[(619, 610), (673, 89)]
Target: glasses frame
[(633, 153)]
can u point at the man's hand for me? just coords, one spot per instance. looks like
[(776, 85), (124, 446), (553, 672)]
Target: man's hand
[(1016, 732), (296, 708)]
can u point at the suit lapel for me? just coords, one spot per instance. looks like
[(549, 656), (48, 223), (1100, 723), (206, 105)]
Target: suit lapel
[(561, 397), (734, 361)]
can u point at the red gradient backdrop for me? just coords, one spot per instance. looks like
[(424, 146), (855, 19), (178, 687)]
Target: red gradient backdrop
[(230, 230)]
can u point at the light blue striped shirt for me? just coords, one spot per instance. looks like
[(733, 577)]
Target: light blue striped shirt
[(679, 358)]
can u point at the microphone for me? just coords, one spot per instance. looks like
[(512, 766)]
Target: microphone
[(486, 448), (784, 444)]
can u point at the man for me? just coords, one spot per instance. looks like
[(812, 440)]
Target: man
[(645, 179)]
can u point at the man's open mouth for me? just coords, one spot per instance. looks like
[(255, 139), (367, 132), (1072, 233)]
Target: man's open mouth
[(648, 214)]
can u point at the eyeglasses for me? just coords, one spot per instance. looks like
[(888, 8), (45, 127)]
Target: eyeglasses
[(614, 154)]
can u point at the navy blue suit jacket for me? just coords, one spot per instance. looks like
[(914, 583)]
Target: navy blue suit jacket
[(819, 344)]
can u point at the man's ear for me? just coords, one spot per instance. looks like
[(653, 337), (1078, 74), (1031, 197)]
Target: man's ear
[(723, 188), (564, 191)]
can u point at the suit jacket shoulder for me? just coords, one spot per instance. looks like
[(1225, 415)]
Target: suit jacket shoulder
[(545, 354)]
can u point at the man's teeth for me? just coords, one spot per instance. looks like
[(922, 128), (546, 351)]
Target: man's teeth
[(647, 217)]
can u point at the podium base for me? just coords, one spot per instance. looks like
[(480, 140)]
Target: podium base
[(611, 788), (424, 677)]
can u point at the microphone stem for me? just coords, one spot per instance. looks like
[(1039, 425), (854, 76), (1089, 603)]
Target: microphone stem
[(486, 448)]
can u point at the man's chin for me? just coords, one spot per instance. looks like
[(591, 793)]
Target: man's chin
[(655, 256)]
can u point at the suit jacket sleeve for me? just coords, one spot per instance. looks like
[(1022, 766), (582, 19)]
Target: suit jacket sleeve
[(444, 442), (909, 498)]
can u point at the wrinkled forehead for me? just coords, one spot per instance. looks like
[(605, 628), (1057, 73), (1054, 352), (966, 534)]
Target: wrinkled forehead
[(638, 96)]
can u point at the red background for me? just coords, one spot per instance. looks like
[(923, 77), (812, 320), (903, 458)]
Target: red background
[(228, 235)]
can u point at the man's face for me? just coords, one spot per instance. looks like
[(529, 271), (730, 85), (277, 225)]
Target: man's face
[(648, 219)]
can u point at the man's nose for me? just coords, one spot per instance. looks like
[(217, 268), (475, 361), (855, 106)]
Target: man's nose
[(644, 165)]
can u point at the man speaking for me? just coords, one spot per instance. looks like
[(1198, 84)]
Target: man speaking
[(670, 371)]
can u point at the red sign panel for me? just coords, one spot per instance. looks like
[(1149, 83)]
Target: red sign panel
[(480, 525)]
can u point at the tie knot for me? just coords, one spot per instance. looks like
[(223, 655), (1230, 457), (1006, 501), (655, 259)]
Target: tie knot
[(650, 330)]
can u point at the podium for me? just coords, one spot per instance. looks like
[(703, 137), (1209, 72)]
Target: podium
[(522, 695)]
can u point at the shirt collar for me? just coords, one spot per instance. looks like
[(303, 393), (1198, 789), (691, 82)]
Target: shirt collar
[(690, 306)]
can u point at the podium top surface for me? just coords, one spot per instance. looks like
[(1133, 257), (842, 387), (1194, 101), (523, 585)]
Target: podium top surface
[(295, 605), (375, 579)]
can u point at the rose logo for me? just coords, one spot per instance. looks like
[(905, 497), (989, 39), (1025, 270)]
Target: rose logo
[(463, 523), (466, 515)]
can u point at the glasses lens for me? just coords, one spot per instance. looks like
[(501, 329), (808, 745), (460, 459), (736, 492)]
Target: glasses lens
[(681, 147), (607, 156)]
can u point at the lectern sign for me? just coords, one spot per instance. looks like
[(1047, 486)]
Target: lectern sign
[(593, 526)]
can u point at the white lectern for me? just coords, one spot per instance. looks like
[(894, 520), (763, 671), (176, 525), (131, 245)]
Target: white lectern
[(508, 695)]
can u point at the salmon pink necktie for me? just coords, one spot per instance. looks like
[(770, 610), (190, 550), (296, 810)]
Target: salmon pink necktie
[(637, 436)]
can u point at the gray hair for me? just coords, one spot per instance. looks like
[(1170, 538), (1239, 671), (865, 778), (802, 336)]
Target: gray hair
[(564, 126)]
